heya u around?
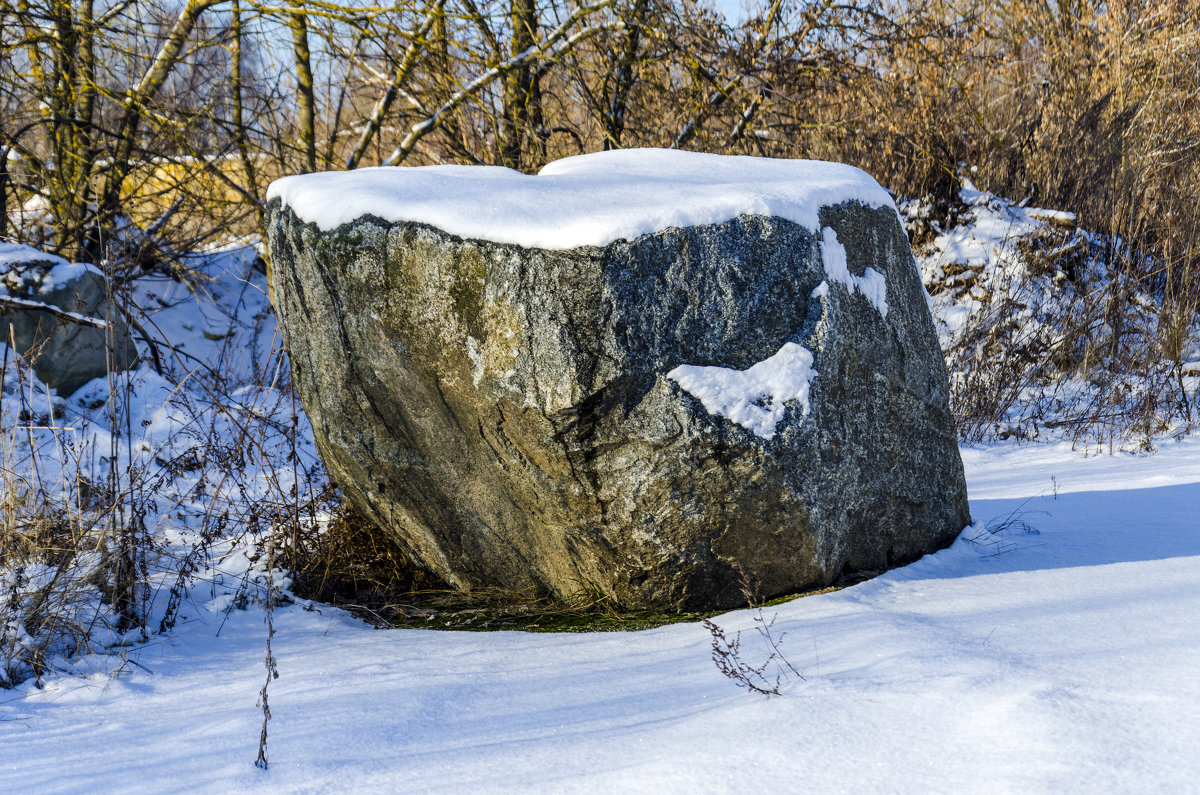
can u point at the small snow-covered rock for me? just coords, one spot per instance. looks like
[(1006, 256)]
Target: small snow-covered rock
[(661, 369), (59, 317)]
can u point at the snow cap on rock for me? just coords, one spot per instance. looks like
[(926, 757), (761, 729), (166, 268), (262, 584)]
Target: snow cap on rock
[(588, 200)]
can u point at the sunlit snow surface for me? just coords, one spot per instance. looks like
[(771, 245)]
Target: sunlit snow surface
[(591, 199), (1058, 661), (17, 254)]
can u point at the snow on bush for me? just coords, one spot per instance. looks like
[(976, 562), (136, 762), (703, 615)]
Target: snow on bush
[(1049, 330)]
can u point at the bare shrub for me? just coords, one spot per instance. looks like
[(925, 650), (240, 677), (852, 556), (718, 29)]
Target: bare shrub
[(58, 583), (768, 677), (112, 519), (1045, 334)]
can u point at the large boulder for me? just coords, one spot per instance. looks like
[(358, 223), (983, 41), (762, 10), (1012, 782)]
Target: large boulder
[(58, 314), (644, 375)]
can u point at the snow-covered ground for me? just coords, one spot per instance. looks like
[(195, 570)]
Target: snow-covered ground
[(1061, 660)]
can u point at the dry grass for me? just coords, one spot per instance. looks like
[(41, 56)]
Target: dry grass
[(55, 553), (351, 563)]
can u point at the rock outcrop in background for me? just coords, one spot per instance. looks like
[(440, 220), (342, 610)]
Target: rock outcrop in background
[(645, 419), (57, 313)]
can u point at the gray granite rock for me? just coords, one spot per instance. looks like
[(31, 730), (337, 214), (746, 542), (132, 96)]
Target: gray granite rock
[(65, 354), (507, 414)]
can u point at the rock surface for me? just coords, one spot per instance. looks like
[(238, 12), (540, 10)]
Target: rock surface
[(65, 354), (517, 417)]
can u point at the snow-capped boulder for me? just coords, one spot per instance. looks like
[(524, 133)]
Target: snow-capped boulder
[(636, 374), (58, 313)]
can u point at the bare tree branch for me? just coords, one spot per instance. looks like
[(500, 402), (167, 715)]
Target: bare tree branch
[(375, 121), (553, 46), (723, 92)]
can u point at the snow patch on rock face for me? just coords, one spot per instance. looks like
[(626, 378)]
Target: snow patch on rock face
[(871, 284), (752, 398), (588, 200)]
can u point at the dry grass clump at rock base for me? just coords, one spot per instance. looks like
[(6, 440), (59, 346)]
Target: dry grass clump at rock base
[(350, 563)]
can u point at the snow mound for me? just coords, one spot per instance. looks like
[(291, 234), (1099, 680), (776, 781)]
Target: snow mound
[(17, 254), (753, 398), (1039, 342), (588, 200), (20, 265)]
